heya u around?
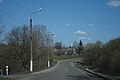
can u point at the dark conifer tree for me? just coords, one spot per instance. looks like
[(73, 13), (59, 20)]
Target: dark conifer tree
[(80, 47)]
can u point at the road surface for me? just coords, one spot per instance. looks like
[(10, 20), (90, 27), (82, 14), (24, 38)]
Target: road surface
[(64, 70)]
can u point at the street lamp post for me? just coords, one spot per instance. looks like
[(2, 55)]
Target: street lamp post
[(31, 55), (48, 45), (48, 52)]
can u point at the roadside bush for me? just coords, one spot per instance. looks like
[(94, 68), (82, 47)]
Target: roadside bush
[(115, 63), (106, 58)]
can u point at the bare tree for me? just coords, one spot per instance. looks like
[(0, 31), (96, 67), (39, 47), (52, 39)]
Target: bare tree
[(18, 48), (1, 27), (75, 44), (41, 39), (18, 39)]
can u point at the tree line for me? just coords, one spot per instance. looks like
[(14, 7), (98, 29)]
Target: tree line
[(104, 57), (15, 51)]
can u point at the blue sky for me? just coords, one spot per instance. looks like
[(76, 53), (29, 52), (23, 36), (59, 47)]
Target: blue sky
[(69, 20)]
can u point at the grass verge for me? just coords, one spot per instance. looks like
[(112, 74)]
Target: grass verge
[(62, 57), (2, 78)]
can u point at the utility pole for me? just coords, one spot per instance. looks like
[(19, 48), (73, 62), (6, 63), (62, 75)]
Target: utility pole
[(31, 38), (48, 45), (31, 56), (48, 53)]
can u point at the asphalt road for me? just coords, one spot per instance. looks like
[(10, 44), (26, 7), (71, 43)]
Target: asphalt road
[(64, 70)]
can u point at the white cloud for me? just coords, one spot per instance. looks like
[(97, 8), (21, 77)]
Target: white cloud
[(78, 32), (90, 24), (114, 3), (84, 38), (67, 25)]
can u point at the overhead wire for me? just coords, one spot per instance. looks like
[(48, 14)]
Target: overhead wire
[(9, 15)]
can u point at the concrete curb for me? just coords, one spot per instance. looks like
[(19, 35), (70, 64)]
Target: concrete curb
[(20, 76), (106, 77)]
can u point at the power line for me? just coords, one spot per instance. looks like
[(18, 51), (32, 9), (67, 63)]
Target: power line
[(11, 16)]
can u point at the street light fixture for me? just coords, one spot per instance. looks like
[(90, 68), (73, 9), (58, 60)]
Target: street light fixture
[(31, 55), (40, 9)]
